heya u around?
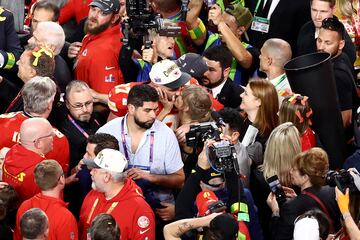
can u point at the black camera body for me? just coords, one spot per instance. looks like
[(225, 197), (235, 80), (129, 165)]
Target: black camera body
[(141, 19), (222, 154), (342, 179)]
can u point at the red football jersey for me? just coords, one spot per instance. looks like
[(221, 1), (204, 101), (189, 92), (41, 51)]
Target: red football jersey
[(10, 135)]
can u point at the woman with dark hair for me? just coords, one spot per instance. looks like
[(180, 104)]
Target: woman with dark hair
[(296, 109), (308, 173)]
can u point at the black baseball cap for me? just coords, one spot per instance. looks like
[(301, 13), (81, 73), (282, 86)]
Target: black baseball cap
[(107, 6)]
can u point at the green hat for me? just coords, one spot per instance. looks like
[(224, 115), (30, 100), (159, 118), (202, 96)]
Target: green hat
[(242, 15)]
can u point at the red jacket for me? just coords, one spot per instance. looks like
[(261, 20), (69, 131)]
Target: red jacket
[(62, 224), (10, 134), (18, 171), (74, 8), (97, 62), (133, 215)]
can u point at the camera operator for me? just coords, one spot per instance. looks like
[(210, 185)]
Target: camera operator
[(349, 205), (162, 47), (308, 173), (226, 186)]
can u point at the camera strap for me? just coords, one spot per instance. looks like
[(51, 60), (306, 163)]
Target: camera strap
[(323, 208), (123, 141)]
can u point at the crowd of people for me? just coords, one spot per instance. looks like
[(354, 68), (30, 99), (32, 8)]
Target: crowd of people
[(170, 119)]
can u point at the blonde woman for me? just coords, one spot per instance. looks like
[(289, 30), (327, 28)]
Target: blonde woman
[(283, 145)]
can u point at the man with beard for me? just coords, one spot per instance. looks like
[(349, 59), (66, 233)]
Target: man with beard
[(331, 40), (77, 121), (116, 194), (97, 55), (216, 78), (150, 147)]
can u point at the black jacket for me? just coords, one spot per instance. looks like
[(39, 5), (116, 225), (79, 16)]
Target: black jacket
[(229, 95), (282, 227), (306, 42), (285, 21)]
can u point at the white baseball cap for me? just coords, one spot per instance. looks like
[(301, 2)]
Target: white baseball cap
[(167, 73), (108, 159)]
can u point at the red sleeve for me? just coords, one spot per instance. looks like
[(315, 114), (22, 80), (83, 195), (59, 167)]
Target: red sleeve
[(67, 12), (144, 225)]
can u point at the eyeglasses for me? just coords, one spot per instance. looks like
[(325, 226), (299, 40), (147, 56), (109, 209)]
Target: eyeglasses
[(39, 138), (79, 106)]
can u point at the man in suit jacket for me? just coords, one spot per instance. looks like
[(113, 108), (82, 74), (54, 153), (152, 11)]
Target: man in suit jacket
[(215, 79), (285, 18), (320, 10)]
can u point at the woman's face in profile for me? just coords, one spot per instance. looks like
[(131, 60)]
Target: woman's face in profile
[(249, 101)]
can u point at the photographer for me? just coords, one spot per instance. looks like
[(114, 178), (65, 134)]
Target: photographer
[(349, 205), (226, 186), (308, 173)]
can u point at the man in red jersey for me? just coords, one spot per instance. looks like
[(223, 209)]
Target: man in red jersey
[(36, 141), (50, 178), (115, 194), (97, 55), (38, 96)]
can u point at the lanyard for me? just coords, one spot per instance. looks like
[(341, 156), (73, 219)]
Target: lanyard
[(280, 80), (123, 140), (77, 126), (257, 7), (111, 208)]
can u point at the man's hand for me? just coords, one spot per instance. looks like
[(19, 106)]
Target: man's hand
[(215, 14), (137, 173), (71, 179), (149, 55), (202, 158), (167, 213), (74, 49), (181, 131)]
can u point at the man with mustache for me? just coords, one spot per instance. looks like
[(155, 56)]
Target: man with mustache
[(97, 55), (216, 78), (149, 146)]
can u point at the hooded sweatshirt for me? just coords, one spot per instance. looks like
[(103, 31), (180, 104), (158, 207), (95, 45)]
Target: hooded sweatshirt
[(18, 171), (62, 224), (133, 215), (10, 124)]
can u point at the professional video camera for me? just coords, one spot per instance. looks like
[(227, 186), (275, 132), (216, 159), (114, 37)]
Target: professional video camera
[(141, 19), (342, 179), (222, 154)]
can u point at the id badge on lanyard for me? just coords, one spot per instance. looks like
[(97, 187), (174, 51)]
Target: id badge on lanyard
[(260, 24)]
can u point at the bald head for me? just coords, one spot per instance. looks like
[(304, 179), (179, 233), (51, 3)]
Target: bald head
[(36, 135), (278, 50), (49, 33)]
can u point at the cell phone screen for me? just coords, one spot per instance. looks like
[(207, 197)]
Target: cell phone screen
[(276, 188)]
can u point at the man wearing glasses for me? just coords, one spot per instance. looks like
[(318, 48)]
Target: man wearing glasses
[(36, 137), (78, 120)]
